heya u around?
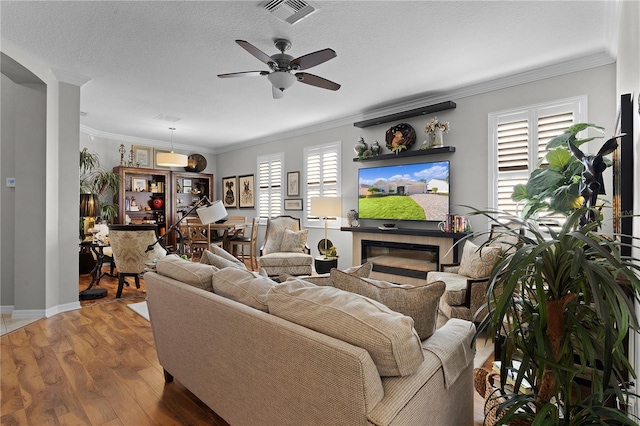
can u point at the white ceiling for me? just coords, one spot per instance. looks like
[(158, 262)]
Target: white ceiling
[(147, 58)]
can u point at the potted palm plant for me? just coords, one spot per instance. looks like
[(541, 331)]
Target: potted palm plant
[(94, 180), (563, 302)]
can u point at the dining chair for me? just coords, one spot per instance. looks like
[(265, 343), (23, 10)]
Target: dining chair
[(239, 246), (129, 245), (200, 237)]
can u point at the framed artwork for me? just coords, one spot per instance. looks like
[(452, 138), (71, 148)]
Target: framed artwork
[(157, 151), (246, 192), (293, 184), (138, 185), (293, 204), (144, 156), (230, 191)]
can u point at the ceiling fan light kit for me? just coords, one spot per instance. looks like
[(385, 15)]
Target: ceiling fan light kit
[(281, 66)]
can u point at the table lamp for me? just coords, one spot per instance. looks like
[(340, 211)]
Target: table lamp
[(326, 207), (89, 207)]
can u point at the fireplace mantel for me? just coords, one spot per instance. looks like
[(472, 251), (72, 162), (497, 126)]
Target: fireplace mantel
[(444, 240), (407, 231)]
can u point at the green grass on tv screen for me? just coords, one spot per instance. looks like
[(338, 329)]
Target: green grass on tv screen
[(390, 207)]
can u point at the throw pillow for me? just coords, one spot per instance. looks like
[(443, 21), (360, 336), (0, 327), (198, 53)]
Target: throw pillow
[(478, 263), (242, 286), (209, 258), (388, 336), (363, 270), (220, 258), (419, 302), (192, 273), (294, 241)]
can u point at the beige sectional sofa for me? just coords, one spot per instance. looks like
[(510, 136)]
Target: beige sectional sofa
[(255, 368)]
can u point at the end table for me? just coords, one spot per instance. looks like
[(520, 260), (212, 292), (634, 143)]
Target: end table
[(323, 265)]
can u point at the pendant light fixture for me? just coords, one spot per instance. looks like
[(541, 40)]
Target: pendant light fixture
[(171, 159)]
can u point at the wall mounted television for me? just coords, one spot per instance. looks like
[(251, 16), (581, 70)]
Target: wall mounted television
[(418, 192)]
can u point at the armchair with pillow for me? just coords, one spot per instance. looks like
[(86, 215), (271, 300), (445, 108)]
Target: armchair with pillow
[(285, 248), (467, 281)]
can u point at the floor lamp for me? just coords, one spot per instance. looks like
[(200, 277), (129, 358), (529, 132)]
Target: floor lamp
[(207, 211), (326, 207)]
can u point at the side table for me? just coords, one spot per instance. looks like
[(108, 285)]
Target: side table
[(96, 273), (323, 266)]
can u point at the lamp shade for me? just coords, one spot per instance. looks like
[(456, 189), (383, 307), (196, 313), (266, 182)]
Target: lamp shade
[(281, 79), (89, 205), (326, 206), (212, 213), (171, 159)]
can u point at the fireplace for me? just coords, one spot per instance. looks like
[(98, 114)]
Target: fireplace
[(401, 259)]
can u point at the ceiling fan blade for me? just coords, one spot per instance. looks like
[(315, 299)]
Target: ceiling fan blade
[(312, 59), (244, 74), (277, 93), (255, 51), (314, 80)]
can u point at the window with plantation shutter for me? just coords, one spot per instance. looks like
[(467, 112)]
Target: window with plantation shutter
[(322, 173), (270, 186), (518, 145)]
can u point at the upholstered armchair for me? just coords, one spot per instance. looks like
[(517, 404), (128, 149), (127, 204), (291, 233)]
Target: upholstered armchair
[(129, 243), (466, 282), (285, 248)]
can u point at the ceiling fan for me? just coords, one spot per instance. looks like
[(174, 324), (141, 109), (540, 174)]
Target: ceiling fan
[(282, 65)]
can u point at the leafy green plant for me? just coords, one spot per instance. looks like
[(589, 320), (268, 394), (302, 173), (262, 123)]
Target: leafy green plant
[(556, 295), (555, 186), (94, 180)]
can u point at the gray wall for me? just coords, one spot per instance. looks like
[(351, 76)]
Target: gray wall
[(23, 217), (469, 129)]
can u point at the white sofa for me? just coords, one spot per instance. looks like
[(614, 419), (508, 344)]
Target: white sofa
[(252, 367)]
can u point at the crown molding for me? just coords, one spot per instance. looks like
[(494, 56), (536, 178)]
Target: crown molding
[(144, 141)]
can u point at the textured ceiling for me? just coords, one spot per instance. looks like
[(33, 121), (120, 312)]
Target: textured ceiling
[(147, 58)]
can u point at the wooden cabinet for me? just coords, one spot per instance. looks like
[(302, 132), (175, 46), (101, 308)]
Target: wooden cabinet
[(143, 196), (159, 196), (187, 190)]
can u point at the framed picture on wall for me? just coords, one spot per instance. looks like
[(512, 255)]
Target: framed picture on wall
[(293, 204), (230, 192), (246, 192), (143, 156), (293, 184)]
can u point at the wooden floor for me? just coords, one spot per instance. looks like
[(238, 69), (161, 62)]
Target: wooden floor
[(96, 366)]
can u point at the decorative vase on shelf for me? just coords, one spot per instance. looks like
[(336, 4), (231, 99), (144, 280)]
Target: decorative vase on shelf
[(428, 142), (437, 138)]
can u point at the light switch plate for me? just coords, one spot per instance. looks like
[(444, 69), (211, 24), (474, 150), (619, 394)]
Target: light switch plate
[(11, 182)]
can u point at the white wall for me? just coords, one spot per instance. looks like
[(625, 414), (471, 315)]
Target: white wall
[(469, 164)]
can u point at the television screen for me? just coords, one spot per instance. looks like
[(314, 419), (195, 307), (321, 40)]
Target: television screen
[(404, 192)]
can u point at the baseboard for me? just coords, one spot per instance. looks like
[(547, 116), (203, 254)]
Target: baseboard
[(6, 309), (63, 308), (28, 313)]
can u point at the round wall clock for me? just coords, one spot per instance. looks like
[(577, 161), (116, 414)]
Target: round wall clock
[(196, 163)]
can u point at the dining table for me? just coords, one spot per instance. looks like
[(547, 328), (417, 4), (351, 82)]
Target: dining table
[(226, 231)]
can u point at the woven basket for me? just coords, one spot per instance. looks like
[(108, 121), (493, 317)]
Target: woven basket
[(483, 382)]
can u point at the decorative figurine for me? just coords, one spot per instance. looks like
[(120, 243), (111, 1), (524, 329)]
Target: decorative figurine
[(591, 183), (132, 158), (352, 218), (122, 151)]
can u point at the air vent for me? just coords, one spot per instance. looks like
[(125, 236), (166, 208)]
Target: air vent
[(168, 118), (290, 11)]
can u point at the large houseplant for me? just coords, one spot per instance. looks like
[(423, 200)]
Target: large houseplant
[(558, 294), (94, 180), (554, 186)]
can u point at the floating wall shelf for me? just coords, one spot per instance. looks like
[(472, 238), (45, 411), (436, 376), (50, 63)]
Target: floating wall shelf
[(442, 106), (416, 153)]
